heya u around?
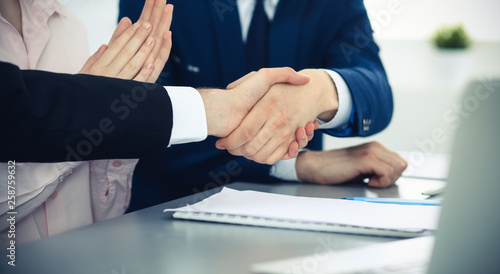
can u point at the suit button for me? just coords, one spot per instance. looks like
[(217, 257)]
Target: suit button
[(366, 124), (117, 163), (193, 68)]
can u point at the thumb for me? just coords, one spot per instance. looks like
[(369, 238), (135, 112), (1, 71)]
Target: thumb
[(256, 85)]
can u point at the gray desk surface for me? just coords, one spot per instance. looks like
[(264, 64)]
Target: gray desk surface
[(150, 241)]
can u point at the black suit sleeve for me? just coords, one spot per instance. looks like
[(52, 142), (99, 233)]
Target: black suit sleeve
[(50, 117)]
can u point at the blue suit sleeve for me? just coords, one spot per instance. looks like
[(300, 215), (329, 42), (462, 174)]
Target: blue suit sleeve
[(354, 55)]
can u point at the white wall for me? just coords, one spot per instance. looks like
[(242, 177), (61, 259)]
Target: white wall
[(99, 16), (418, 19), (393, 19)]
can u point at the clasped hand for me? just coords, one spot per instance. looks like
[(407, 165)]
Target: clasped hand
[(284, 119)]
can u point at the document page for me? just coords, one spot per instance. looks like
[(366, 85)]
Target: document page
[(317, 210)]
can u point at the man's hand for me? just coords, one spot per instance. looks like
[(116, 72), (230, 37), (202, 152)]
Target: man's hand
[(226, 109), (372, 160), (138, 51), (268, 130)]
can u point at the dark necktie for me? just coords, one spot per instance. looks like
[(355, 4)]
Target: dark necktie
[(256, 47)]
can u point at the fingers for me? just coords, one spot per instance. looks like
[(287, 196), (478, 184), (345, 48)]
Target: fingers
[(124, 51), (124, 24), (162, 58), (132, 67), (264, 135), (278, 154), (246, 132), (382, 174), (301, 137), (91, 61), (161, 20), (157, 14), (147, 10), (269, 77), (145, 73), (293, 151), (118, 44), (259, 83), (310, 127), (386, 166), (125, 56), (372, 160), (266, 145), (132, 53), (316, 124), (274, 150)]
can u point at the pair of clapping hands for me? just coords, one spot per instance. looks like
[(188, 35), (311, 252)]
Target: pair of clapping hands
[(139, 51)]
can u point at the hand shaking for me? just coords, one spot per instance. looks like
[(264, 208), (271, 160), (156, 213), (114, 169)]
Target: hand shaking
[(284, 119), (262, 115)]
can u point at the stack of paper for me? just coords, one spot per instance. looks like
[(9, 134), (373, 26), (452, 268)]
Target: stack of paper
[(320, 214)]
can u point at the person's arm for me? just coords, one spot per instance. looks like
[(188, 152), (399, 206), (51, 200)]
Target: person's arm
[(356, 78), (355, 57), (59, 117)]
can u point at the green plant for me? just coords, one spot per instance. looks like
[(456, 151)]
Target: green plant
[(452, 37)]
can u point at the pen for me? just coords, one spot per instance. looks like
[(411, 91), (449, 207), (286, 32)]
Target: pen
[(396, 201), (434, 191)]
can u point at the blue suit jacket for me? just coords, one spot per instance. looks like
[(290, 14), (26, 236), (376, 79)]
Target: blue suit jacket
[(208, 52)]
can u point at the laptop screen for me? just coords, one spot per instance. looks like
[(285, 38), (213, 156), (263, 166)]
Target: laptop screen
[(468, 235)]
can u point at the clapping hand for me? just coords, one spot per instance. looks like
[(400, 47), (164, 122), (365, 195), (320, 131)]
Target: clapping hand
[(136, 51)]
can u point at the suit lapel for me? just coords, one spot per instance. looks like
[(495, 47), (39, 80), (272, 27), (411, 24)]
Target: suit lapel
[(285, 30), (230, 46)]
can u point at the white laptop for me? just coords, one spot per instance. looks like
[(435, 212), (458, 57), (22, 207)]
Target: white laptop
[(468, 235)]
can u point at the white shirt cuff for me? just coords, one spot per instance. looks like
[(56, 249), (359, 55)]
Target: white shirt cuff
[(284, 170), (189, 117), (341, 119)]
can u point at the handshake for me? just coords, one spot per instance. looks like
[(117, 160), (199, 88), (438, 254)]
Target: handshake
[(264, 116)]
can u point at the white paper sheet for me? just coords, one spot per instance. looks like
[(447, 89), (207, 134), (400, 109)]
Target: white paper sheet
[(321, 210)]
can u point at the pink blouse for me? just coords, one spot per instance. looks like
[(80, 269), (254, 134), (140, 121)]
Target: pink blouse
[(55, 197)]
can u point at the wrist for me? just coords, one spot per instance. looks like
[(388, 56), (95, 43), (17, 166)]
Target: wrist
[(221, 110), (304, 166), (210, 98), (328, 102)]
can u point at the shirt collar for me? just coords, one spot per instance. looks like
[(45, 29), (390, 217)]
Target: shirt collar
[(42, 9)]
